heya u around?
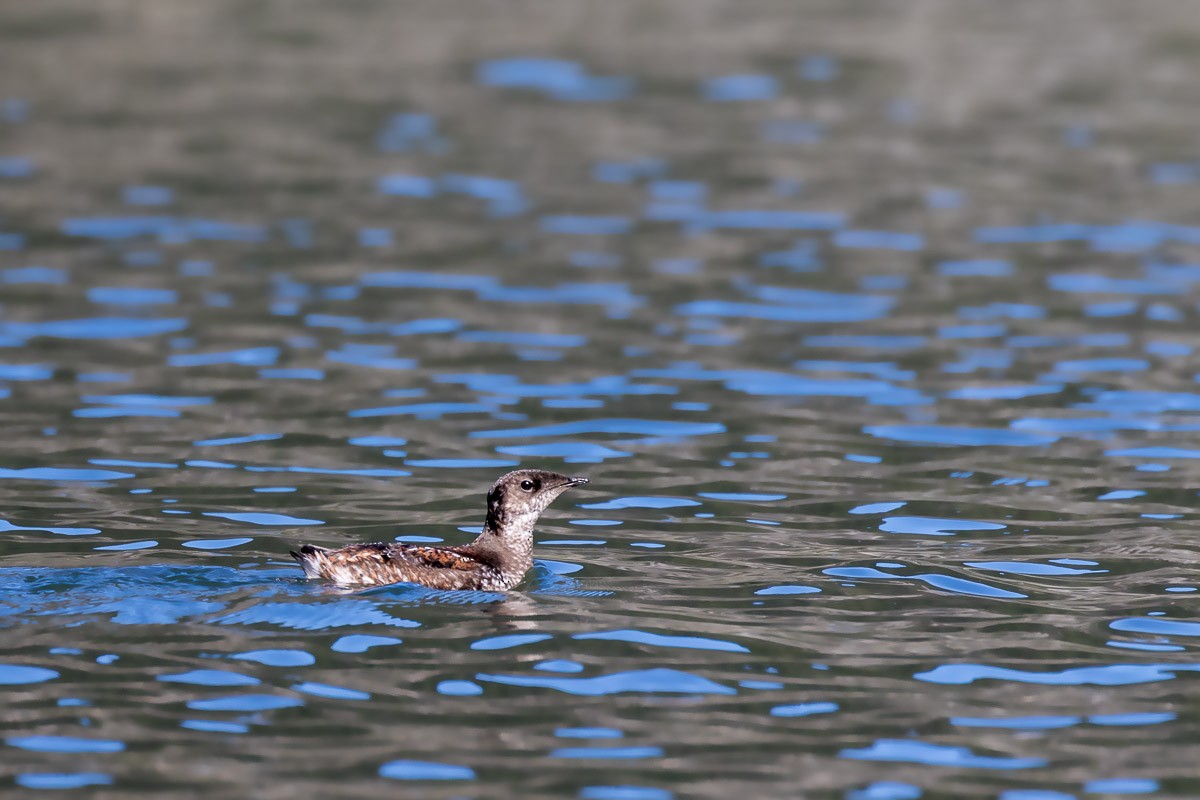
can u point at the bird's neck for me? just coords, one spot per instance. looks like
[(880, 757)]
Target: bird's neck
[(509, 542)]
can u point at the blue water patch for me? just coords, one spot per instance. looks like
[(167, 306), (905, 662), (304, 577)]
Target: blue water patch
[(401, 185), (972, 331), (175, 229), (411, 132), (26, 372), (644, 427), (588, 733), (245, 702), (92, 328), (37, 274), (762, 219), (460, 463), (1157, 626), (918, 752), (1004, 311), (1133, 718), (459, 688), (641, 502), (147, 400), (1030, 568), (648, 681), (1103, 365), (123, 462), (787, 589), (582, 225), (524, 339), (111, 412), (5, 526), (556, 78), (56, 475), (215, 544), (628, 171), (293, 374), (1149, 402), (936, 526), (1101, 284), (1016, 723), (1121, 786), (210, 677), (1105, 675), (1159, 451), (427, 280), (804, 709), (277, 658), (885, 790), (374, 356), (983, 268), (877, 508), (510, 386), (423, 410), (214, 726), (1122, 494), (62, 780), (377, 441), (253, 437), (19, 674), (147, 195), (607, 752), (624, 792), (261, 518), (131, 296), (64, 744), (329, 691), (509, 641), (949, 583), (362, 642), (818, 309), (250, 356), (879, 240), (742, 497), (659, 640), (425, 771), (368, 473), (615, 296), (16, 168), (959, 436), (569, 452), (741, 88), (1018, 392), (504, 198), (316, 616)]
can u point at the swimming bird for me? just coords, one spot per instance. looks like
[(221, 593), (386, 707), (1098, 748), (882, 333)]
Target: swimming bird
[(496, 561)]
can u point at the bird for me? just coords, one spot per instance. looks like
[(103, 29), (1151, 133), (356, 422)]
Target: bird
[(496, 561)]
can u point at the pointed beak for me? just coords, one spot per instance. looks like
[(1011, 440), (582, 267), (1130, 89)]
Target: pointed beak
[(574, 481)]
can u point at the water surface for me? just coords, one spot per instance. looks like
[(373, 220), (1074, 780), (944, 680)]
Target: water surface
[(874, 332)]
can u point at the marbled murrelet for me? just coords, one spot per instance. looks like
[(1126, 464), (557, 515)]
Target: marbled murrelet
[(497, 560)]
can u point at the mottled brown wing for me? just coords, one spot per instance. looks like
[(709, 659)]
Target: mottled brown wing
[(436, 567), (382, 563), (436, 557)]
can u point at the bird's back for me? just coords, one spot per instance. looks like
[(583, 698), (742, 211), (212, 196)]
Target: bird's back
[(381, 563)]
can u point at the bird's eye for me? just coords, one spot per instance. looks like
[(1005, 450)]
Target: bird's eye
[(527, 485)]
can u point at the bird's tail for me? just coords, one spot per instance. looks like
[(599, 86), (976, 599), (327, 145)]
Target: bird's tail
[(311, 558)]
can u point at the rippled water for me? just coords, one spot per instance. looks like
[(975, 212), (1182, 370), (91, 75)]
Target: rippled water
[(874, 331)]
